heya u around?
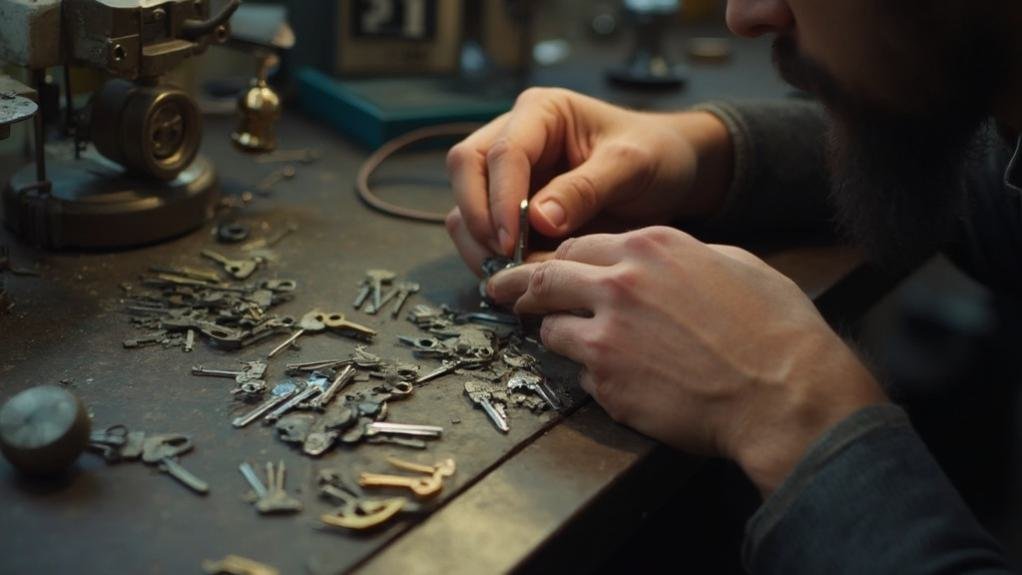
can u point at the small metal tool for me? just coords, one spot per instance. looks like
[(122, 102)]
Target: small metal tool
[(377, 278), (337, 322), (527, 380), (313, 387), (404, 291), (377, 427), (336, 385), (523, 232), (161, 449), (312, 322)]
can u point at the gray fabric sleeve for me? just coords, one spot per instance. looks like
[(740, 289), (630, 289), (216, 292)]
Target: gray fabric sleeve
[(780, 181), (868, 498)]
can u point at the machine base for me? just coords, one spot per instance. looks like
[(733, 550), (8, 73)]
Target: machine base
[(96, 204)]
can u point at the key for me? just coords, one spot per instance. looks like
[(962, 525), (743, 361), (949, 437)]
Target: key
[(200, 370), (171, 467), (529, 381), (237, 269), (449, 366), (190, 340), (399, 441), (377, 427), (423, 486), (278, 395), (253, 480), (313, 387), (405, 290), (366, 514), (377, 278), (444, 468), (371, 309), (342, 379), (277, 499), (479, 394), (275, 177), (338, 322), (161, 449), (312, 322), (523, 231)]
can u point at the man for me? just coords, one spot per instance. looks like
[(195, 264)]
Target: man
[(708, 349)]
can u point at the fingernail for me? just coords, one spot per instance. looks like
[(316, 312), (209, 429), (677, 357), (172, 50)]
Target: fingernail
[(506, 243), (553, 212)]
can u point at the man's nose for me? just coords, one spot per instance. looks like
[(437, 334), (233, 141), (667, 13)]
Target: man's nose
[(750, 18)]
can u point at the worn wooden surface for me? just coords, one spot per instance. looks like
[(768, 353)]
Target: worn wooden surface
[(512, 494)]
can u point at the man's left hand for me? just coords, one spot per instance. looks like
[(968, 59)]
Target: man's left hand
[(704, 347)]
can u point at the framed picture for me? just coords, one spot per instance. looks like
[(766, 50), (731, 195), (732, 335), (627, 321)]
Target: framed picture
[(398, 36)]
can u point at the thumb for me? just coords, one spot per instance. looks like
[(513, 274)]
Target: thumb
[(573, 198)]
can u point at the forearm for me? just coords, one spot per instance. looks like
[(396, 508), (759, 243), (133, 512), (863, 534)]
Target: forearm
[(868, 498)]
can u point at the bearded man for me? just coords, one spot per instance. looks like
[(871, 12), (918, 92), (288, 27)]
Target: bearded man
[(708, 349)]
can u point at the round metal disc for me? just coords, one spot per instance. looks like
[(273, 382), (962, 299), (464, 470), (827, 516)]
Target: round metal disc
[(43, 429), (15, 108)]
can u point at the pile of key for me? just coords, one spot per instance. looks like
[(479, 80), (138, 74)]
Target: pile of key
[(359, 512), (249, 382), (117, 444), (178, 304), (372, 286), (501, 373)]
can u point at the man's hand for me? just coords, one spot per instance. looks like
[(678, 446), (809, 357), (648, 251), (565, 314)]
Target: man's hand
[(703, 347), (582, 158)]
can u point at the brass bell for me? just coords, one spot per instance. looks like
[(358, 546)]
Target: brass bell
[(258, 109)]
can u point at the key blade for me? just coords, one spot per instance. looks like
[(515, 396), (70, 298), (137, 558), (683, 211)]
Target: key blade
[(184, 476), (495, 416), (253, 479)]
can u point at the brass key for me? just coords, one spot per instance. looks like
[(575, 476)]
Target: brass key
[(424, 486)]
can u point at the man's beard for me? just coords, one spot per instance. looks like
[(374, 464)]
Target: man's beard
[(897, 180)]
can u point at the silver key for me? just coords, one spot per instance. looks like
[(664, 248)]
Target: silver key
[(377, 427), (278, 395), (253, 479), (313, 387), (342, 379), (377, 278), (530, 381), (171, 467), (200, 370), (372, 309), (237, 269), (312, 322), (364, 289), (481, 396), (404, 291), (277, 499)]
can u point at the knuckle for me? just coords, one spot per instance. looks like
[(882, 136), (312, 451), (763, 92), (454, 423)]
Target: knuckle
[(458, 156), (621, 283), (583, 189), (500, 149), (539, 281), (636, 157), (533, 95), (562, 252), (453, 221)]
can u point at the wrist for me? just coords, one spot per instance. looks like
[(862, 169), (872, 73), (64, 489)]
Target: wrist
[(714, 169), (833, 385)]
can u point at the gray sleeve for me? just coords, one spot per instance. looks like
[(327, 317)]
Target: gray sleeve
[(781, 181), (868, 498)]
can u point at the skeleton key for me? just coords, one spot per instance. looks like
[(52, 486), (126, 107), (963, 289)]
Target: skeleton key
[(404, 291), (376, 279), (277, 500), (313, 387), (526, 380), (336, 385), (481, 396), (312, 322), (338, 322), (278, 395), (423, 486), (444, 468), (237, 269), (253, 480), (365, 515)]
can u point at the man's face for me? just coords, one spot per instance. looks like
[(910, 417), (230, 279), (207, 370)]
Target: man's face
[(907, 83)]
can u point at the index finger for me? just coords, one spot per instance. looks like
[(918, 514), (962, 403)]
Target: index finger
[(466, 166)]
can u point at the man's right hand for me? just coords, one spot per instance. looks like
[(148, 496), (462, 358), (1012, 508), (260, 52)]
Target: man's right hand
[(582, 161)]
